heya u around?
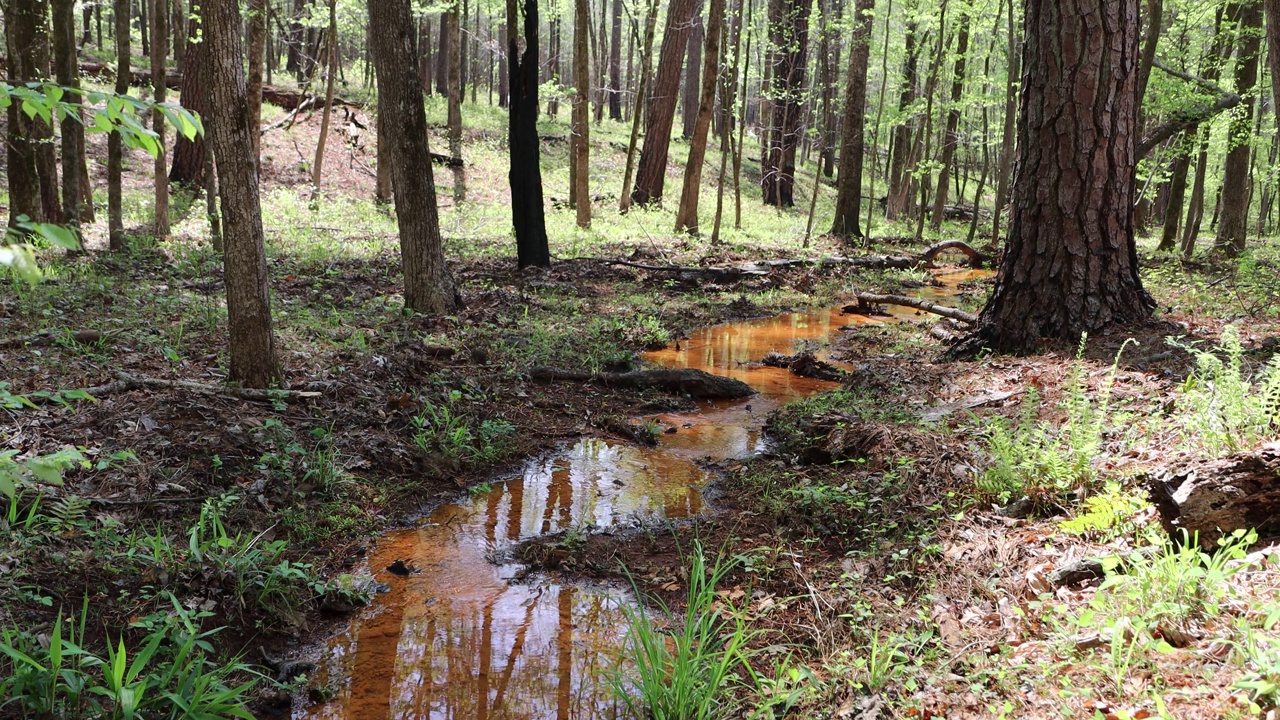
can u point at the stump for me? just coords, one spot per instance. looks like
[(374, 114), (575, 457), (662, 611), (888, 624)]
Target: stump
[(1213, 497)]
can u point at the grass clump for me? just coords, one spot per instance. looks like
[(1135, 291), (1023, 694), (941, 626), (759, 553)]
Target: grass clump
[(443, 429), (1222, 408)]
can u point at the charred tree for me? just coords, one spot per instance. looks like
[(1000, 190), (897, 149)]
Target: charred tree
[(528, 216)]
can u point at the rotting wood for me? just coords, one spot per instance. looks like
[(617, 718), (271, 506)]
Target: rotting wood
[(1210, 498), (695, 383), (867, 301), (125, 382)]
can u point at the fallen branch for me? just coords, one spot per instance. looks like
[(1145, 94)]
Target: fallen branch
[(125, 382), (289, 117), (867, 301), (695, 383)]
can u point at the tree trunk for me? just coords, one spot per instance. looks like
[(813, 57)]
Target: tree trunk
[(24, 185), (253, 349), (690, 101), (177, 31), (159, 50), (382, 185), (1272, 9), (1235, 180), (428, 285), (952, 137), (637, 115), (652, 173), (188, 155), (293, 40), (1177, 194), (504, 82), (1210, 498), (899, 175), (527, 213), (849, 184), (581, 108), (875, 134), (1070, 264), (728, 105), (443, 51), (789, 35), (1219, 53), (1004, 172), (615, 63), (455, 109), (332, 46), (115, 143), (67, 73), (687, 217), (257, 51)]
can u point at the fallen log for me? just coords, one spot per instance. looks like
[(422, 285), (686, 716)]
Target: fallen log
[(804, 364), (1211, 498), (125, 382), (695, 383), (867, 302)]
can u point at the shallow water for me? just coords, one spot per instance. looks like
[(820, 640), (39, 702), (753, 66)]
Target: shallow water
[(465, 638)]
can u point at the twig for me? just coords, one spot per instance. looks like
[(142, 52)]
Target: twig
[(866, 300)]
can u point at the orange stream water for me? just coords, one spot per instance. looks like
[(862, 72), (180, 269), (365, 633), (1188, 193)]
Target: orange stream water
[(466, 639)]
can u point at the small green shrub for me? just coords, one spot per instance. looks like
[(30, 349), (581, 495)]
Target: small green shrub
[(1107, 515), (444, 429), (1222, 409)]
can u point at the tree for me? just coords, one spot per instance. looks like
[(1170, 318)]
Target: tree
[(952, 137), (581, 138), (615, 64), (24, 186), (527, 214), (455, 106), (652, 174), (428, 286), (789, 39), (115, 143), (67, 73), (159, 51), (852, 140), (257, 51), (253, 348), (189, 154), (1070, 264), (332, 47), (1233, 227), (687, 216)]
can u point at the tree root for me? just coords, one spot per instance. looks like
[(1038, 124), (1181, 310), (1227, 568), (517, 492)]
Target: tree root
[(125, 382)]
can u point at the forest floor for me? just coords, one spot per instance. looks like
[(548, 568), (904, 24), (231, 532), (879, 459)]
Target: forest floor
[(876, 555)]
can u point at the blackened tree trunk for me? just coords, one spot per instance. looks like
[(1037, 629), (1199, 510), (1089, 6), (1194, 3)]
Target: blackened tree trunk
[(952, 136), (1234, 225), (527, 213), (159, 51), (615, 63), (1070, 264), (67, 73), (692, 69), (24, 185), (115, 143), (789, 35), (852, 136), (687, 216), (253, 347), (581, 119), (428, 286), (652, 174), (188, 155), (443, 50)]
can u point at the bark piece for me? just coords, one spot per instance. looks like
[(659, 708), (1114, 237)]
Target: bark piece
[(695, 383), (1214, 497)]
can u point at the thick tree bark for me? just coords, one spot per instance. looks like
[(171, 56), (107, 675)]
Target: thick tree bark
[(637, 115), (159, 50), (615, 63), (899, 174), (331, 44), (852, 137), (687, 216), (24, 185), (952, 137), (581, 120), (188, 155), (253, 348), (789, 35), (691, 97), (1234, 226), (382, 192), (115, 143), (428, 285), (652, 173), (257, 52), (528, 216), (1070, 264), (67, 73)]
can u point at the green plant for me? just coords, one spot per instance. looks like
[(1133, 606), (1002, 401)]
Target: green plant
[(688, 672), (445, 429), (1223, 410), (1261, 655), (1107, 515)]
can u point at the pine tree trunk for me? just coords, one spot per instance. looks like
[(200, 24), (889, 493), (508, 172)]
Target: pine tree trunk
[(1235, 180), (177, 31), (899, 177), (615, 63), (789, 35), (159, 50), (849, 184), (257, 51), (428, 285), (952, 136), (638, 115), (527, 212), (504, 81), (67, 74), (581, 127), (687, 216), (253, 348), (1070, 264), (115, 144), (689, 101), (652, 173), (24, 185), (189, 155), (332, 45)]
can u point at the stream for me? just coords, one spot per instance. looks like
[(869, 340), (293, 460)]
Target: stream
[(465, 638)]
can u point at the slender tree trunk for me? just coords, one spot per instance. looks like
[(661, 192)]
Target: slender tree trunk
[(1272, 9), (899, 175), (382, 186), (159, 50), (852, 138), (1177, 193), (527, 212), (189, 155), (689, 102), (443, 51), (652, 173), (615, 63), (742, 120), (789, 35), (581, 130), (67, 74), (637, 115), (428, 285), (1219, 53), (143, 14), (1004, 172), (553, 41), (257, 52), (455, 110), (923, 155), (177, 30), (875, 138), (504, 84), (1235, 181), (728, 105), (332, 45), (952, 137), (253, 348), (687, 216), (1070, 264), (115, 144)]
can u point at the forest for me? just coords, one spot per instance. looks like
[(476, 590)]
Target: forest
[(604, 359)]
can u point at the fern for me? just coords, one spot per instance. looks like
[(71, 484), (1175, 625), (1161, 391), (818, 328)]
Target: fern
[(68, 513)]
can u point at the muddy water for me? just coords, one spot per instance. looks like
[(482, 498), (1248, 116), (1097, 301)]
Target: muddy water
[(464, 638)]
